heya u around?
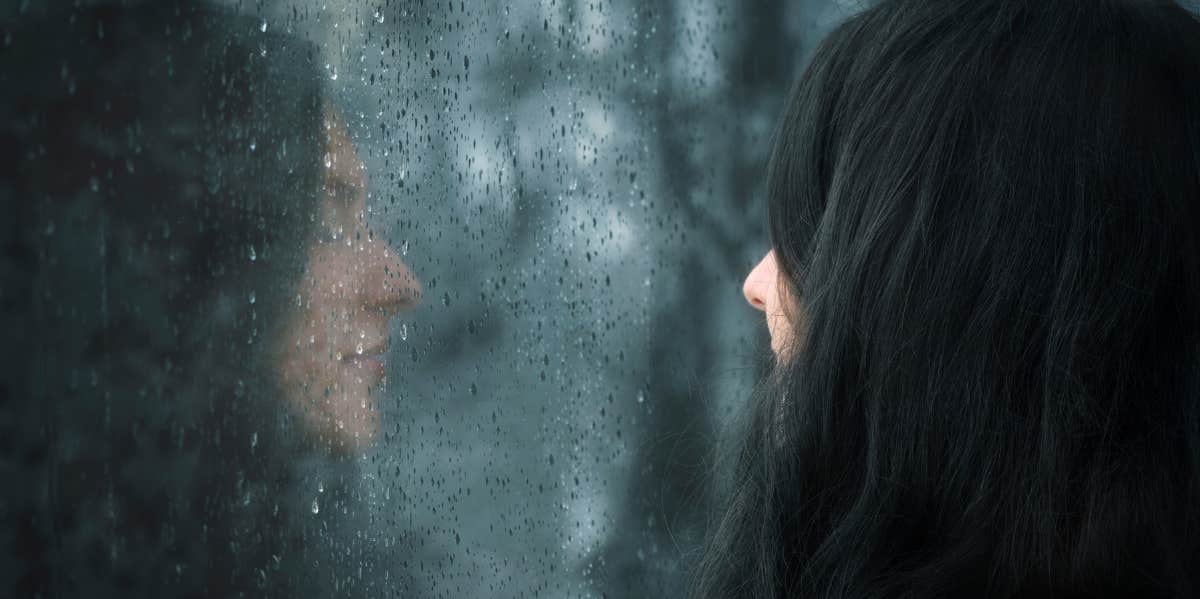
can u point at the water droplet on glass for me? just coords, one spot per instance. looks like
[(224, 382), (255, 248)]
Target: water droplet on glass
[(262, 26), (253, 254), (378, 15), (358, 349), (641, 398), (404, 331), (254, 440), (315, 508), (253, 145), (95, 184), (321, 486), (328, 160), (252, 297)]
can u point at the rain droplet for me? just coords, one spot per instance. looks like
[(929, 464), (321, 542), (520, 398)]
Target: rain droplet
[(641, 398), (253, 145), (252, 297), (404, 331), (358, 349), (328, 160), (262, 26), (253, 254), (254, 440), (378, 15), (315, 508)]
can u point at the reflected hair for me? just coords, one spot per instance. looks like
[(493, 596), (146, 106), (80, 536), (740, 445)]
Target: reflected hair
[(987, 212), (161, 163)]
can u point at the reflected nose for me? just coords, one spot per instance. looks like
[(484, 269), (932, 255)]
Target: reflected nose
[(387, 283), (758, 283)]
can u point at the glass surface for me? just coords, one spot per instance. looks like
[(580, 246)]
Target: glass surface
[(413, 299)]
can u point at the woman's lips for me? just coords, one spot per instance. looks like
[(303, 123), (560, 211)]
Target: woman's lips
[(369, 359)]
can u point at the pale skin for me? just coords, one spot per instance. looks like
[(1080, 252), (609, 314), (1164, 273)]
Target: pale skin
[(763, 291), (354, 283)]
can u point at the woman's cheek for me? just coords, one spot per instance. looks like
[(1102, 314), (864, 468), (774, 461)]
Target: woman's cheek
[(781, 331)]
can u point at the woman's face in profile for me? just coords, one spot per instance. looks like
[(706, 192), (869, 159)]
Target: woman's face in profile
[(353, 284), (762, 290)]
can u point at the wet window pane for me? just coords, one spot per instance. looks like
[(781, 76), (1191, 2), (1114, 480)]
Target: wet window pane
[(412, 299)]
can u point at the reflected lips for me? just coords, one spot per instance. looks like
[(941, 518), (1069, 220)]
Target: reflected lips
[(370, 359)]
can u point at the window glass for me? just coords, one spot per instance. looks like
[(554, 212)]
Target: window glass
[(414, 299)]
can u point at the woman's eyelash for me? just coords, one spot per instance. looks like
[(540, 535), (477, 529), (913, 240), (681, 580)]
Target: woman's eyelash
[(327, 233)]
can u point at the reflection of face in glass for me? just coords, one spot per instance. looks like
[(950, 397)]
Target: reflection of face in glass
[(354, 283)]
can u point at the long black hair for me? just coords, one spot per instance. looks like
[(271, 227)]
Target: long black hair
[(986, 213), (161, 175)]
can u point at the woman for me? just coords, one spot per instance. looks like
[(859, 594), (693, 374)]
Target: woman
[(197, 305), (984, 297)]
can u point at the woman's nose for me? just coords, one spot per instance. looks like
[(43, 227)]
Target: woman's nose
[(387, 283), (758, 283)]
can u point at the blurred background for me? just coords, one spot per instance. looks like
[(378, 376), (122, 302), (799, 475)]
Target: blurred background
[(578, 186)]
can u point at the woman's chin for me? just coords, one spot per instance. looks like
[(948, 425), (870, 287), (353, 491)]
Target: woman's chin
[(347, 421), (353, 429)]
